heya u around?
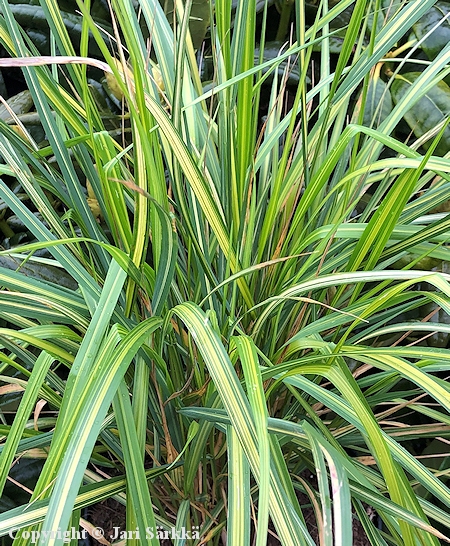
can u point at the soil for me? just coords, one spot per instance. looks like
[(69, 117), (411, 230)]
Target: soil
[(110, 514)]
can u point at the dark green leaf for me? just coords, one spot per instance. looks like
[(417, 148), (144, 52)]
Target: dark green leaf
[(198, 21), (19, 104), (34, 18), (388, 8), (272, 50), (335, 44), (39, 271), (440, 36), (378, 103), (428, 111)]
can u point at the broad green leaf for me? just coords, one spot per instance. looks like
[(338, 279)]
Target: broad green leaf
[(19, 104), (436, 22), (387, 10), (49, 272), (198, 21), (428, 112), (378, 102)]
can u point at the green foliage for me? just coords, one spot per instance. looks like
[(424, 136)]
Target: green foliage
[(428, 112), (434, 29), (378, 103), (243, 303), (199, 18)]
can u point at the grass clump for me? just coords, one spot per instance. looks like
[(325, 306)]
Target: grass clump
[(237, 307)]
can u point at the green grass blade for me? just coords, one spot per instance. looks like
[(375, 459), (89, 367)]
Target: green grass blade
[(137, 486), (238, 526), (255, 392), (29, 398)]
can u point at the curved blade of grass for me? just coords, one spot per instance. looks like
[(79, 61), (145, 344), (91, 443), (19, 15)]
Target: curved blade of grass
[(76, 387), (50, 348), (83, 425), (342, 408), (345, 278), (182, 519), (429, 77), (40, 308), (119, 255), (29, 398), (238, 524), (426, 382), (359, 484), (389, 35), (112, 193), (386, 216), (53, 134), (43, 234), (326, 530), (282, 511), (167, 261), (18, 282), (342, 508), (137, 484), (255, 392), (342, 521), (409, 326), (94, 337), (393, 475), (89, 495)]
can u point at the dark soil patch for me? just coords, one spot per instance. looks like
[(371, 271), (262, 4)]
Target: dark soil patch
[(110, 514)]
